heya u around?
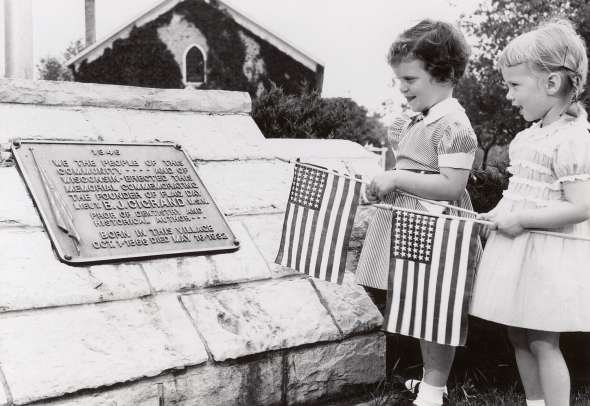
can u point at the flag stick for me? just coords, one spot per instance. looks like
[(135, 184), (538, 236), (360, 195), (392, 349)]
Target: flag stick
[(435, 202), (392, 207), (562, 235), (487, 223)]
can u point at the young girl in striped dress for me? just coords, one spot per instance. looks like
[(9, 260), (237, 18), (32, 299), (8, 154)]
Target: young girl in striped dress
[(435, 154), (537, 283)]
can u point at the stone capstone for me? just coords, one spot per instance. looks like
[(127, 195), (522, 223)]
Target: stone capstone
[(203, 136), (75, 94)]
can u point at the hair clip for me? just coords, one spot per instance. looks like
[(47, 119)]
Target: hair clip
[(565, 55)]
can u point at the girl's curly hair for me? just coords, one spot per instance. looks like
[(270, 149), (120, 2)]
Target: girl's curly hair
[(439, 45)]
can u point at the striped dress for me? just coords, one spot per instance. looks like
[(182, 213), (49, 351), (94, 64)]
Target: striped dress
[(441, 138)]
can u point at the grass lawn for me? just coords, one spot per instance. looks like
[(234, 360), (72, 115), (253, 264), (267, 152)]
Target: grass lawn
[(484, 371), (467, 394)]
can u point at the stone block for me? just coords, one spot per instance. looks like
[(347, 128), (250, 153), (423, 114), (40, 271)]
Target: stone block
[(253, 186), (255, 318), (33, 277), (350, 305), (59, 123), (334, 369), (3, 397), (190, 272), (144, 393), (266, 230), (17, 205), (49, 353), (255, 381), (204, 136), (44, 92)]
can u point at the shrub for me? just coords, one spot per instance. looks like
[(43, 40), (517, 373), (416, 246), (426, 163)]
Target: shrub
[(485, 187), (308, 115)]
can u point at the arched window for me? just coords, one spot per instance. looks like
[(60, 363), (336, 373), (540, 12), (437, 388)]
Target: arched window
[(194, 65)]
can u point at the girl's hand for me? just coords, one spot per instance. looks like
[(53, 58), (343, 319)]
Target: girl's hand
[(489, 216), (485, 230), (370, 196), (509, 224), (382, 184)]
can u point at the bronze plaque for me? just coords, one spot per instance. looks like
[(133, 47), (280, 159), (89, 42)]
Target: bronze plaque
[(104, 202)]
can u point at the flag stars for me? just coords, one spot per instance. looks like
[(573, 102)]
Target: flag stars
[(413, 236), (308, 187)]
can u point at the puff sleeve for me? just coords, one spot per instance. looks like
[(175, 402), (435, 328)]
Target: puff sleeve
[(457, 146), (572, 158)]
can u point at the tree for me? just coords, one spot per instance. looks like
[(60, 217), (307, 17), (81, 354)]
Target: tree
[(54, 68), (308, 115), (482, 92)]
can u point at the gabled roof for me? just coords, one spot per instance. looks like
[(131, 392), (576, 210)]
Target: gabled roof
[(96, 50)]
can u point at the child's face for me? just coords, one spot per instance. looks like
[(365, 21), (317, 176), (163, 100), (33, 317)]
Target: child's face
[(526, 91), (419, 88)]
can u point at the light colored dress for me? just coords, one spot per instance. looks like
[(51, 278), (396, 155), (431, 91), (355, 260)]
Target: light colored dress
[(539, 281), (442, 138)]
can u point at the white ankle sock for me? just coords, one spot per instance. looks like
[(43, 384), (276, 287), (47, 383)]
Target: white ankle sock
[(429, 395), (539, 402)]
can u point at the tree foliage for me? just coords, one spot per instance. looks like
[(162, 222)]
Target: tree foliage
[(494, 24), (482, 92), (54, 68), (281, 115)]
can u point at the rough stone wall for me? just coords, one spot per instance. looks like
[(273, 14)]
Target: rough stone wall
[(225, 329)]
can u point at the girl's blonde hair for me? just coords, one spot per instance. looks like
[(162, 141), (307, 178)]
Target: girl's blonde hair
[(553, 47)]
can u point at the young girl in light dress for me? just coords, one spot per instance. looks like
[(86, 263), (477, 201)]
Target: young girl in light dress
[(538, 284)]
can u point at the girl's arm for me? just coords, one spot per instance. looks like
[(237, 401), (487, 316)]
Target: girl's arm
[(448, 185), (574, 210)]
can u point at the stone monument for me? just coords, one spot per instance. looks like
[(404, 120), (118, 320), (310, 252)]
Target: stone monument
[(210, 328)]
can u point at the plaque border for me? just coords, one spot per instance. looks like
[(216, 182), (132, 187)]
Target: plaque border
[(66, 258)]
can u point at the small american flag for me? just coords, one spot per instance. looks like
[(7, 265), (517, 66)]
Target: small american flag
[(433, 260), (318, 222)]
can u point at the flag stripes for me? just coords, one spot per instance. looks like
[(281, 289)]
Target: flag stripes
[(373, 265), (430, 300), (318, 223)]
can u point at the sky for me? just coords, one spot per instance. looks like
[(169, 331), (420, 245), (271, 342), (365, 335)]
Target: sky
[(349, 37)]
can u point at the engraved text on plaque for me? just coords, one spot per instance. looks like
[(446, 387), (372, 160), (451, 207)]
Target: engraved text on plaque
[(102, 202)]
